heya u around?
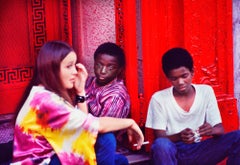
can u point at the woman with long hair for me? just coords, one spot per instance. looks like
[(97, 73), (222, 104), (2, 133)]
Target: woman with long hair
[(53, 125)]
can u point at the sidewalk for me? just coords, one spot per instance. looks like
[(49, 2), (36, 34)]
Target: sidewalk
[(6, 138)]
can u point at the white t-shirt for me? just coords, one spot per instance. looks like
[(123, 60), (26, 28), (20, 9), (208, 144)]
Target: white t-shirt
[(164, 113)]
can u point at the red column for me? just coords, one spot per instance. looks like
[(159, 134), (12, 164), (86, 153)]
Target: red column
[(205, 29), (59, 21), (162, 28), (126, 37), (208, 33), (208, 36)]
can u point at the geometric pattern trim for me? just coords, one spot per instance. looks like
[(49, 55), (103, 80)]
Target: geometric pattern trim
[(119, 22), (39, 24), (15, 75), (67, 35)]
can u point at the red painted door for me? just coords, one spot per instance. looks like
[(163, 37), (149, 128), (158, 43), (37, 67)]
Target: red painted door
[(203, 27), (25, 26)]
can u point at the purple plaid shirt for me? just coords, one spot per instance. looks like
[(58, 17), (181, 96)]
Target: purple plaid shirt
[(111, 100)]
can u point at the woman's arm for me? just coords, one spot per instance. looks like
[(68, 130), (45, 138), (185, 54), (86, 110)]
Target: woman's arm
[(108, 124), (80, 85)]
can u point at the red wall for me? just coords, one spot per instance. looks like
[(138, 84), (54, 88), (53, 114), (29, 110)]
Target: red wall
[(203, 27), (25, 26)]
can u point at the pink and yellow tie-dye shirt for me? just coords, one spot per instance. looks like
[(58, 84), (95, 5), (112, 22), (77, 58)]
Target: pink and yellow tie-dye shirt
[(47, 124)]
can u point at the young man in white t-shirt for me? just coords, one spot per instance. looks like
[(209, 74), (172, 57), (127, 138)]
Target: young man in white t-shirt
[(184, 113)]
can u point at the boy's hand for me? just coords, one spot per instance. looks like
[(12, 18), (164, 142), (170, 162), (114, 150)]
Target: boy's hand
[(206, 130), (187, 136)]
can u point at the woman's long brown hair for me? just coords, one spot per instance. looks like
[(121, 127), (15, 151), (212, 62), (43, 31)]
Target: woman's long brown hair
[(48, 67), (47, 71)]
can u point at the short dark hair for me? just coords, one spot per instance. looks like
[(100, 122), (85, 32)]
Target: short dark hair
[(113, 50), (175, 58)]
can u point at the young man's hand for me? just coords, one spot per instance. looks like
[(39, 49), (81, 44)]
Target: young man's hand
[(205, 130), (187, 135)]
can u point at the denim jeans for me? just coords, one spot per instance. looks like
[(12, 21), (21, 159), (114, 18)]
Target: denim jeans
[(207, 152), (55, 160), (105, 149)]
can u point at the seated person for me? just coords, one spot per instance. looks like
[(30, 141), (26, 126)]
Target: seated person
[(53, 126), (180, 115), (108, 96)]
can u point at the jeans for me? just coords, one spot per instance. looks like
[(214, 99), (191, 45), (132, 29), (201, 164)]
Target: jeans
[(105, 149), (207, 152), (55, 160)]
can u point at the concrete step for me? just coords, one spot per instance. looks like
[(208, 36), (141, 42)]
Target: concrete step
[(139, 159)]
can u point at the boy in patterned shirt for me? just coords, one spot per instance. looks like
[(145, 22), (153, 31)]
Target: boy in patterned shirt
[(108, 96)]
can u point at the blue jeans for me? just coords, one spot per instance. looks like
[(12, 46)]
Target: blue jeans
[(208, 152), (105, 149), (55, 160)]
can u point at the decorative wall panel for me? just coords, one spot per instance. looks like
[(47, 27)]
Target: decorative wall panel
[(37, 18), (210, 42), (15, 75), (16, 58), (25, 26), (203, 27)]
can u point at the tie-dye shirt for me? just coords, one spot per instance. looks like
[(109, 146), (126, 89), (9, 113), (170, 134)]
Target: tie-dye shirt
[(109, 100), (48, 125)]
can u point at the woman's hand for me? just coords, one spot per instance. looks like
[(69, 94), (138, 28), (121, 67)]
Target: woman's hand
[(135, 135), (110, 124), (80, 79)]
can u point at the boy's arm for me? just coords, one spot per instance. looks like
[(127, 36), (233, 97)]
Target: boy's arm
[(162, 134), (186, 135), (207, 130)]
